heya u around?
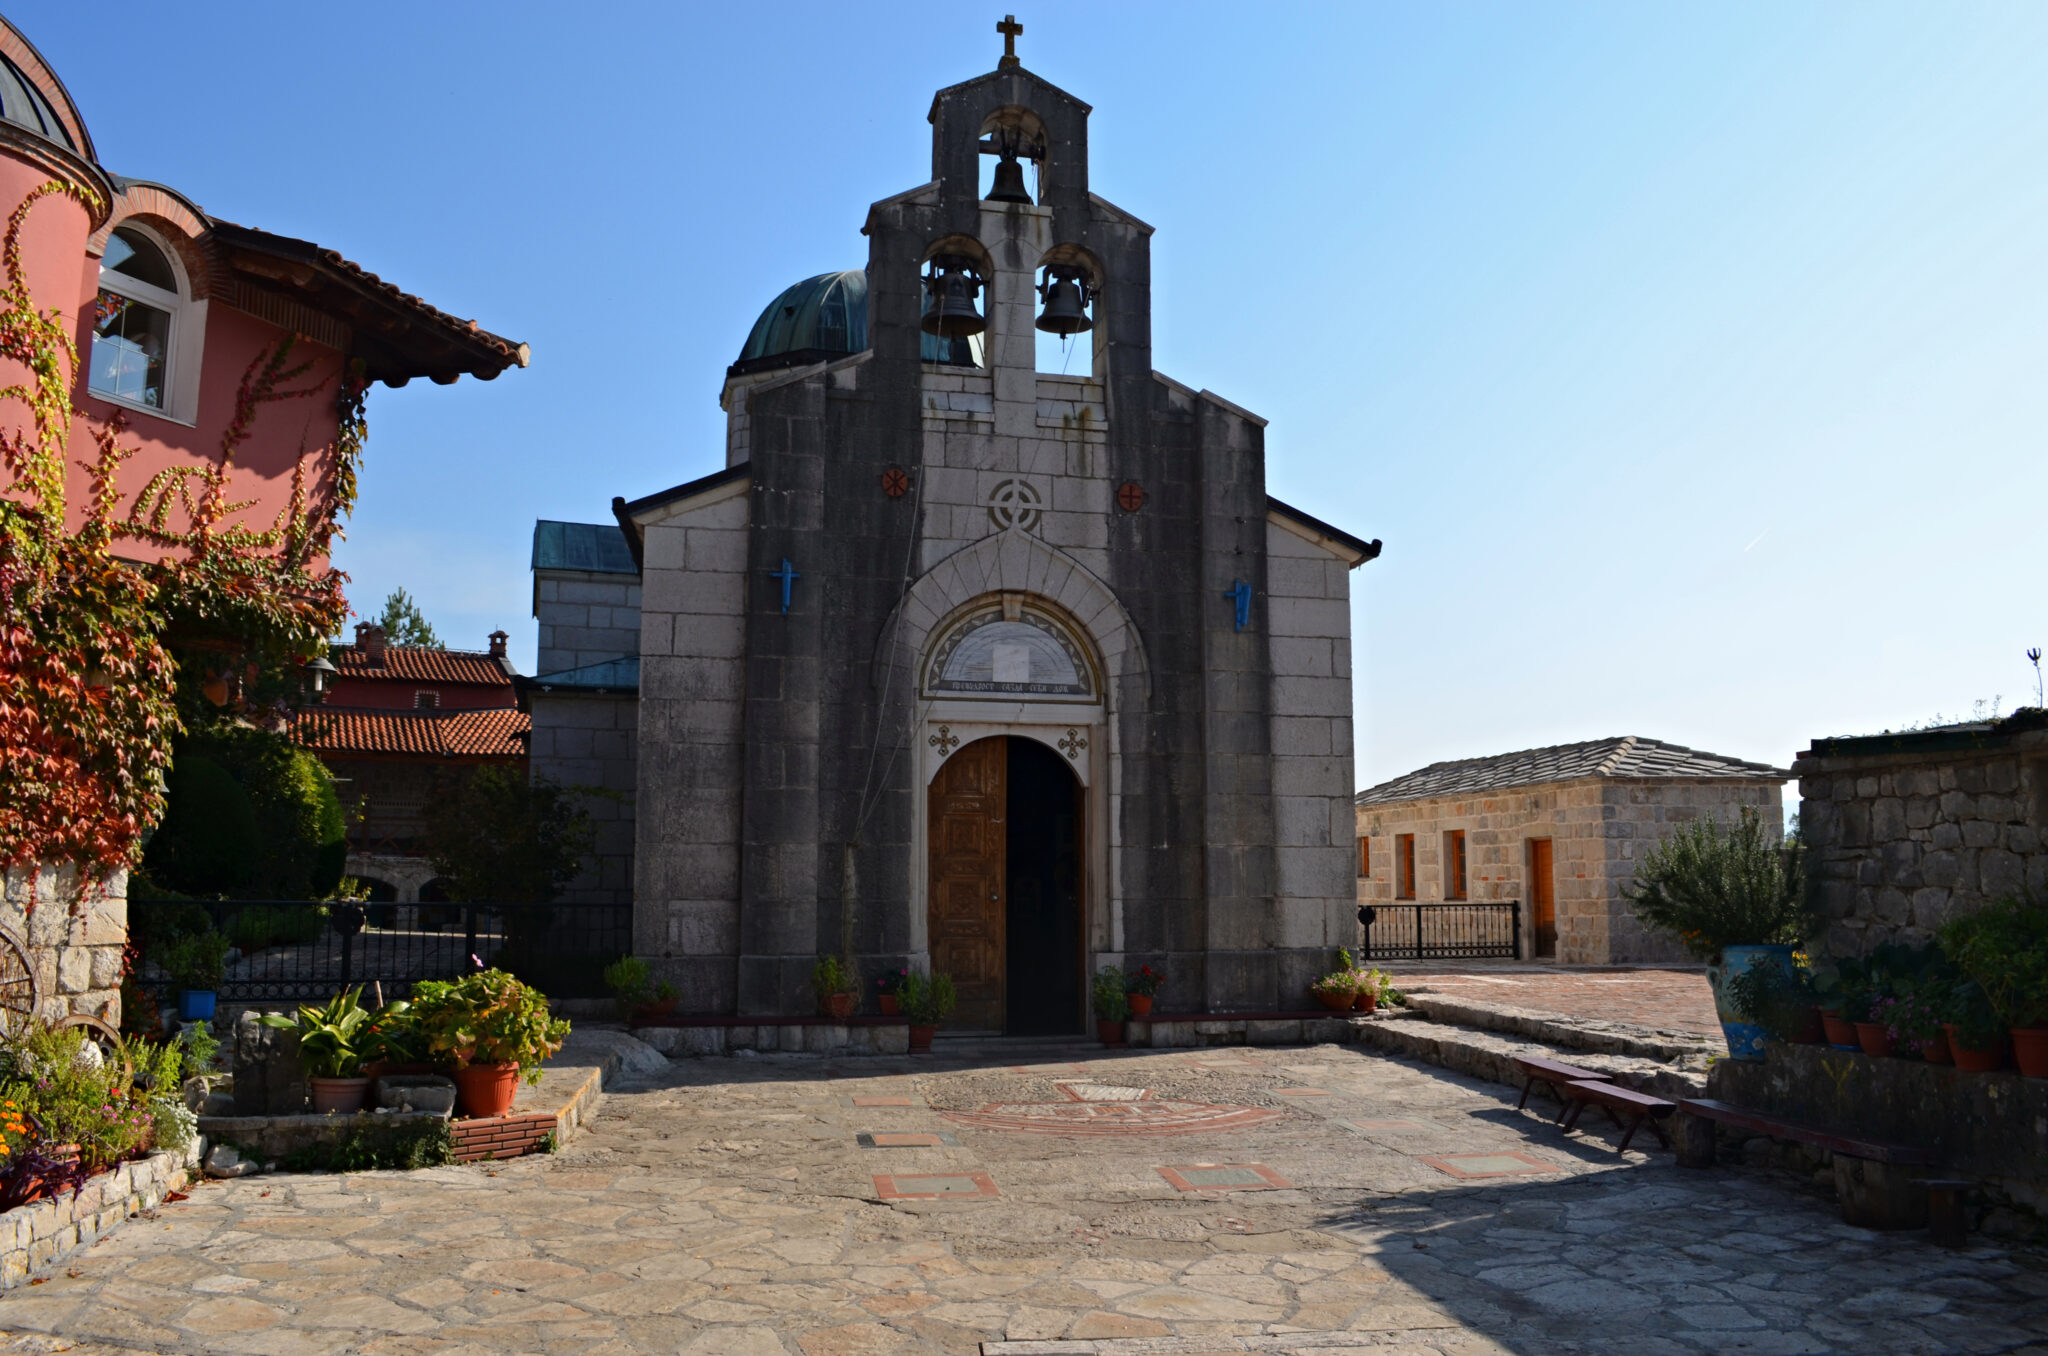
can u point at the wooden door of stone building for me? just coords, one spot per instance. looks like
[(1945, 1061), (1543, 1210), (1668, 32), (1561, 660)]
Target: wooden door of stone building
[(1542, 902), (965, 915)]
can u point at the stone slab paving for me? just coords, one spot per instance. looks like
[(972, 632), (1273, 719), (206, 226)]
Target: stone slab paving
[(726, 1207), (1670, 999)]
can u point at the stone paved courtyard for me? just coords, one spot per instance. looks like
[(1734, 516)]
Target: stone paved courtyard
[(1184, 1202)]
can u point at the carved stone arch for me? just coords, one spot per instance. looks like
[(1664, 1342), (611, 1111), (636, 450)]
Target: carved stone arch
[(1013, 562)]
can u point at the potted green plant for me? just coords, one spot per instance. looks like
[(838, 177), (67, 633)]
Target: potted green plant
[(492, 1028), (1734, 898), (837, 987), (640, 999), (1112, 1004), (2003, 947), (334, 1040), (1337, 990), (1140, 988), (887, 989), (195, 963), (926, 1001)]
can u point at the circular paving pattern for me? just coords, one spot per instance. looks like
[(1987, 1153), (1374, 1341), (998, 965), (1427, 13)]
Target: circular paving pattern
[(1153, 1116)]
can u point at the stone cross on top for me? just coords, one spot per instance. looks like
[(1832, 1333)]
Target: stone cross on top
[(1011, 31)]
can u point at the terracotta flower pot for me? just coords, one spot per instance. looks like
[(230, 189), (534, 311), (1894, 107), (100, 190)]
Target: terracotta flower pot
[(1141, 1004), (343, 1096), (839, 1006), (890, 1007), (1970, 1059), (486, 1089), (1874, 1037), (1368, 1000), (1111, 1033), (1336, 1002), (921, 1038), (2030, 1050), (1839, 1031)]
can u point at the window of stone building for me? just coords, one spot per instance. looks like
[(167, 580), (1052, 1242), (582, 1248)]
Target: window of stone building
[(426, 701), (1454, 864), (134, 322), (1364, 857), (1404, 865)]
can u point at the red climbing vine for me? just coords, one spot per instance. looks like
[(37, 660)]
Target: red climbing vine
[(88, 683)]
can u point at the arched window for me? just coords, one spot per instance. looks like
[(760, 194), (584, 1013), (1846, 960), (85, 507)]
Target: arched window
[(1009, 648), (136, 321)]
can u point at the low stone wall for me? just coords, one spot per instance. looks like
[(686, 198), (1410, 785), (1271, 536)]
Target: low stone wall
[(37, 1236), (1989, 1127), (817, 1038), (1170, 1031), (74, 939)]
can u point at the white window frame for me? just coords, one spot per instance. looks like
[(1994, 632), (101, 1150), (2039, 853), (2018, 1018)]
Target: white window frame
[(188, 333)]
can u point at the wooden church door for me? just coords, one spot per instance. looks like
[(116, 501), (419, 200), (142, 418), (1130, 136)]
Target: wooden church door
[(965, 912)]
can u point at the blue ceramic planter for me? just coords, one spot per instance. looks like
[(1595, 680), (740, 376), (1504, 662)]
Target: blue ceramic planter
[(195, 1005), (1745, 1038)]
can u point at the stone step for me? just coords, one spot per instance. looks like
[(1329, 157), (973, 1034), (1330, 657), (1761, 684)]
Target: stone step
[(1489, 1055), (1685, 1049)]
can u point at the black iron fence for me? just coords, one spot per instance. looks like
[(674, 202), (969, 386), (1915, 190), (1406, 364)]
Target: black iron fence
[(294, 950), (1485, 931)]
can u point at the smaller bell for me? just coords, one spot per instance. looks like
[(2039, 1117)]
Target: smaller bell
[(1066, 304), (1008, 185), (949, 292)]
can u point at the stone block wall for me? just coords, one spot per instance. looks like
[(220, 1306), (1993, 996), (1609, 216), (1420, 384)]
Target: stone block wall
[(1905, 831), (73, 938), (692, 678), (591, 739), (585, 617), (1598, 828)]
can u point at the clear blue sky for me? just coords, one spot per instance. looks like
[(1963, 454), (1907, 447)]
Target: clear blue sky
[(1692, 360)]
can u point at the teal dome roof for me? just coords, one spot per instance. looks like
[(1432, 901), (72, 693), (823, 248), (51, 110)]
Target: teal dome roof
[(823, 318)]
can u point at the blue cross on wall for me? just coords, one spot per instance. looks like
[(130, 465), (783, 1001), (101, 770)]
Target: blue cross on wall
[(1240, 594), (788, 575)]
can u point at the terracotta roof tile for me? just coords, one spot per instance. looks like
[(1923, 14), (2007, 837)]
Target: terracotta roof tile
[(417, 664), (427, 734), (1626, 756)]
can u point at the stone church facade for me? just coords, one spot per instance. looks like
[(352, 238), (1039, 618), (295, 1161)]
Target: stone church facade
[(961, 665)]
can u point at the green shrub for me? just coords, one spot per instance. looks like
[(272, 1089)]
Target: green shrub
[(195, 961), (927, 1001), (2003, 948), (248, 815), (1112, 990), (1709, 887)]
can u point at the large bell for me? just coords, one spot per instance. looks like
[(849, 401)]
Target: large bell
[(949, 292), (1009, 182), (1066, 305)]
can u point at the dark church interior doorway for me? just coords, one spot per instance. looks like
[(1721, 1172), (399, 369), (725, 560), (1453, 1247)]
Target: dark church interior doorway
[(1005, 897)]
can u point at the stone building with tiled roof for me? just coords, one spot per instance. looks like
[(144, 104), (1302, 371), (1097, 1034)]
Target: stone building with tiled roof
[(401, 726), (1556, 831)]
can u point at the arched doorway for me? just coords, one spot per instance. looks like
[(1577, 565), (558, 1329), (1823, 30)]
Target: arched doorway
[(1005, 898)]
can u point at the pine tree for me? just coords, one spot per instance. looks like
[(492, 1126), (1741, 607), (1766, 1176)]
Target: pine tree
[(404, 624)]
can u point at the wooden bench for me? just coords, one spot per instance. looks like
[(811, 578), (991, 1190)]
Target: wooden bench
[(1871, 1179), (1554, 1073), (1618, 1102)]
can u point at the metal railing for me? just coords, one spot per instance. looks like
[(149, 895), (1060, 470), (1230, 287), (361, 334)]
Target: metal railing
[(1458, 930), (296, 950)]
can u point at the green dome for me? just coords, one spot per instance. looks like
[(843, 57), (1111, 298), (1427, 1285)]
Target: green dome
[(823, 318)]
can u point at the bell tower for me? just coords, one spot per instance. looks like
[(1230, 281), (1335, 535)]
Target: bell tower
[(1036, 252)]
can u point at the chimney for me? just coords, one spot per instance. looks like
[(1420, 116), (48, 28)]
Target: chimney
[(498, 639), (370, 643)]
